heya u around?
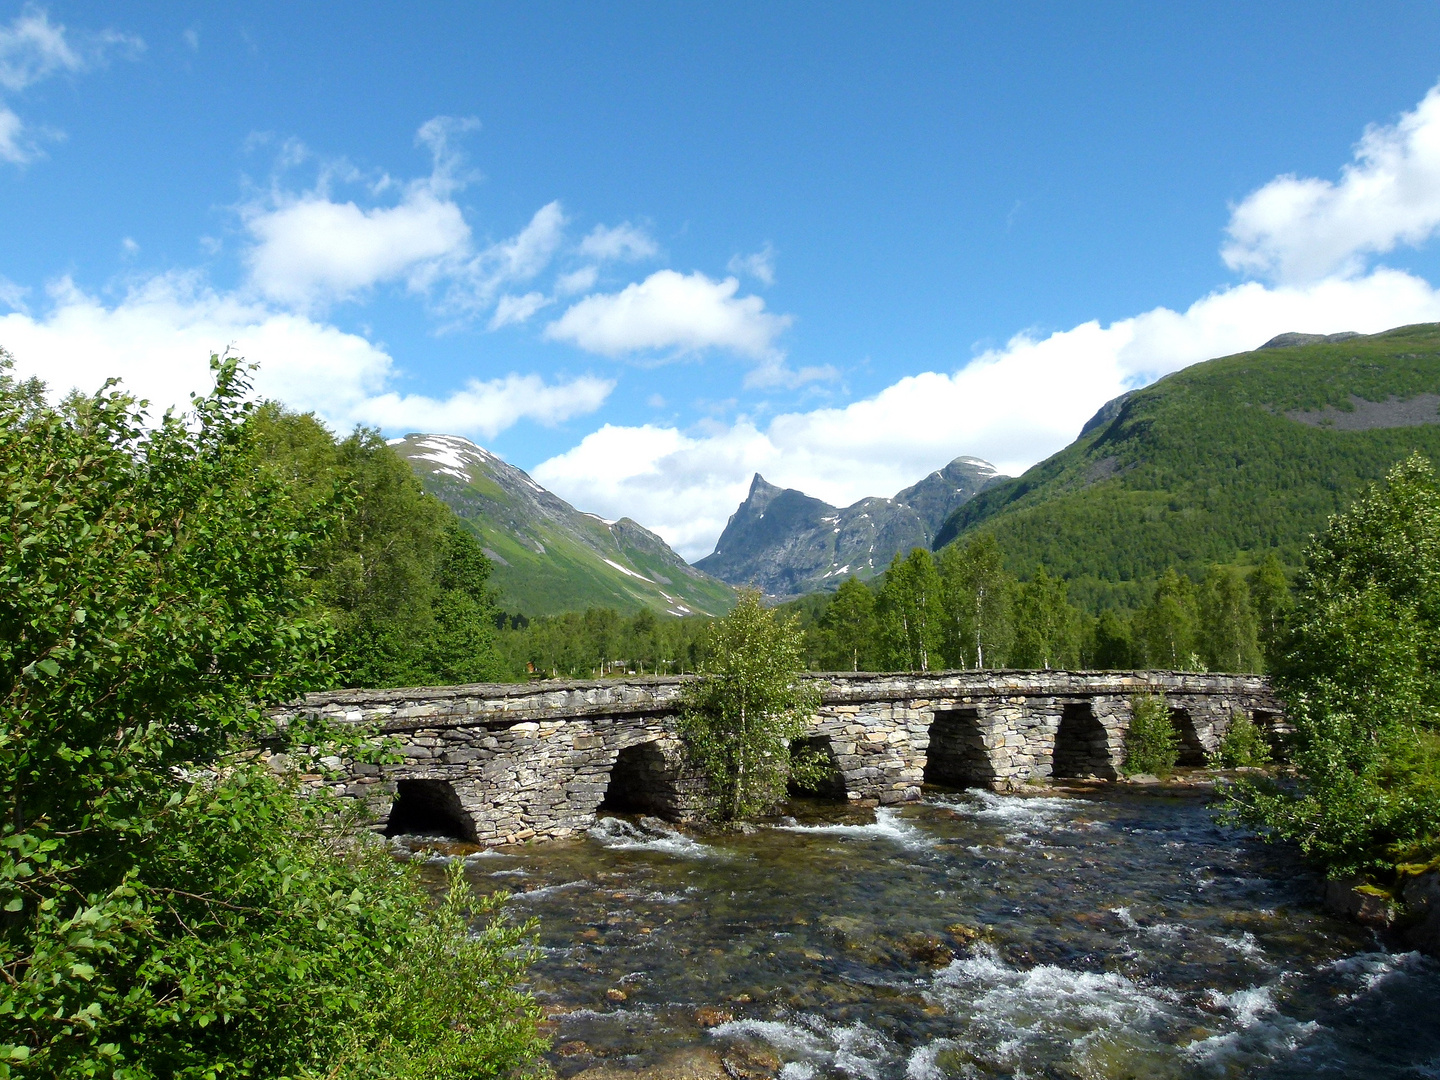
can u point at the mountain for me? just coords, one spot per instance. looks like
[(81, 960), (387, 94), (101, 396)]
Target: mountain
[(787, 543), (1224, 461), (548, 556)]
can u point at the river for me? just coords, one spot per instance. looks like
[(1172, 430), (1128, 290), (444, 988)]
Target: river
[(970, 935)]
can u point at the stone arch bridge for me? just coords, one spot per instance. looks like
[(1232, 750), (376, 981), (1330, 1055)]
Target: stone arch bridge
[(502, 763)]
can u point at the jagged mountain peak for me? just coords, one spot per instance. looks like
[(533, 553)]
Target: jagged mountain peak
[(787, 543)]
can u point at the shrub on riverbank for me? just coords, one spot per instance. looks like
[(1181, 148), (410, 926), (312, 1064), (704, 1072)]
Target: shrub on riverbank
[(170, 909), (1243, 745), (1152, 744)]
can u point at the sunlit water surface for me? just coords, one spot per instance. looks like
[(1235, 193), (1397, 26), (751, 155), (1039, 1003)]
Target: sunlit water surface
[(973, 935)]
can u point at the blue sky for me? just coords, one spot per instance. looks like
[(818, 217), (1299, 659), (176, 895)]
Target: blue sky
[(645, 251)]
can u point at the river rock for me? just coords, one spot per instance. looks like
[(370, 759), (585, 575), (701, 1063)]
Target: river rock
[(1421, 894), (1352, 898), (709, 1016), (696, 1064)]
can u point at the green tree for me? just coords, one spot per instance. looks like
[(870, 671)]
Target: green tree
[(1114, 645), (166, 900), (1166, 631), (1047, 627), (1359, 671), (1227, 629), (403, 580), (976, 593), (909, 616), (740, 716), (1270, 594), (846, 631)]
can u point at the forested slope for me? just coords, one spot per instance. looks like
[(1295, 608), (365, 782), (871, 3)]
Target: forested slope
[(549, 557), (1223, 462)]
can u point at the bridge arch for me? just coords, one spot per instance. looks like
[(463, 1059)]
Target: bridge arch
[(429, 807), (1082, 745), (957, 756), (642, 781)]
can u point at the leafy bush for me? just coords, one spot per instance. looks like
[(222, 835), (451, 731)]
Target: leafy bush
[(1152, 745), (1359, 669), (1243, 745), (170, 908), (740, 717)]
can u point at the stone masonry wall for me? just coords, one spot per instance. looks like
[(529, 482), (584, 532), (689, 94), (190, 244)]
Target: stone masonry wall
[(536, 760)]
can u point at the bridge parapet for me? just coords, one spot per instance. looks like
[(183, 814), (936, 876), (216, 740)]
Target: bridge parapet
[(499, 763)]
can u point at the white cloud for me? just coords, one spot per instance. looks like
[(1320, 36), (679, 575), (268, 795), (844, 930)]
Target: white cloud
[(16, 146), (672, 311), (624, 241), (310, 251), (577, 281), (1012, 406), (13, 295), (1298, 229), (522, 257), (488, 408), (517, 309), (760, 265), (159, 337), (32, 49)]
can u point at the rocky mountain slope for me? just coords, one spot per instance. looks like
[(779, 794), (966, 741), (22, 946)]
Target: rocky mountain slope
[(548, 556), (1224, 462), (788, 543)]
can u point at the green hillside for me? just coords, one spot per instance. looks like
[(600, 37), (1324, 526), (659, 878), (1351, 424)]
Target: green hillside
[(1222, 462), (549, 557)]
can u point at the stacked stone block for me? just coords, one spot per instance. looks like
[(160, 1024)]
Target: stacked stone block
[(537, 760)]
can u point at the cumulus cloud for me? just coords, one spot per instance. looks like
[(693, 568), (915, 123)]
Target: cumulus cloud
[(1297, 229), (488, 408), (1013, 406), (670, 311), (621, 242), (311, 249), (33, 49), (159, 337)]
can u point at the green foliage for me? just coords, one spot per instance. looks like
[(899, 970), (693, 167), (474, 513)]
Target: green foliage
[(1048, 629), (1360, 673), (1167, 630), (740, 717), (1205, 466), (1152, 745), (909, 616), (844, 636), (1227, 632), (1243, 746), (977, 596), (169, 909), (599, 642), (402, 578), (1114, 646), (1273, 601)]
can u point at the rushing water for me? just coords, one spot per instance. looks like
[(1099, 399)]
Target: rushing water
[(973, 935)]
